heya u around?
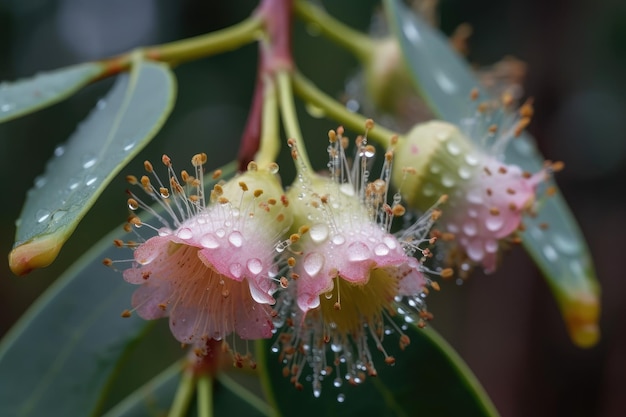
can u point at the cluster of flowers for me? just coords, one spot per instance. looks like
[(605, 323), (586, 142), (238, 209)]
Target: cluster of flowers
[(317, 265)]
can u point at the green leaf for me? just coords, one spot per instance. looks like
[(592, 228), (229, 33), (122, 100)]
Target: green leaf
[(26, 96), (72, 354), (113, 133), (428, 379), (56, 361), (445, 81)]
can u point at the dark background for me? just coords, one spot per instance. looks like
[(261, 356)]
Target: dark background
[(506, 326)]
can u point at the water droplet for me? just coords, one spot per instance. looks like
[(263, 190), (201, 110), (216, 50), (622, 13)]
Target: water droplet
[(6, 107), (469, 228), (129, 146), (447, 181), (235, 239), (42, 215), (255, 266), (88, 160), (328, 295), (73, 183), (341, 398), (336, 347), (101, 104), (494, 223), (58, 215), (464, 173), (90, 180), (40, 181), (435, 169), (220, 233), (550, 253), (317, 388), (390, 242), (453, 148), (471, 160), (428, 190), (235, 269), (318, 232), (353, 105), (337, 382), (475, 251), (313, 263), (568, 246), (358, 251), (184, 233), (209, 242), (491, 246), (59, 150), (473, 196), (381, 249), (338, 240)]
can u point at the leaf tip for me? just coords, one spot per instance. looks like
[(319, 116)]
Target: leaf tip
[(581, 314), (36, 253)]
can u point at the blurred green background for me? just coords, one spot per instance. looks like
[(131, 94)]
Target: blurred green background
[(506, 325)]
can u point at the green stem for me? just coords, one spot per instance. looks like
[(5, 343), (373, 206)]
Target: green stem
[(334, 110), (248, 396), (270, 137), (290, 117), (183, 395), (356, 42), (212, 43), (261, 349), (205, 396)]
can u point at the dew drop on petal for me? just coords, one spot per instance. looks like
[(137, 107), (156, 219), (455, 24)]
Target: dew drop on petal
[(313, 263), (447, 181), (453, 148), (471, 160), (469, 228), (220, 232), (337, 382), (184, 233), (473, 196), (235, 239), (319, 232), (208, 241), (42, 215), (338, 240), (236, 269), (464, 173), (491, 246), (358, 251), (475, 250), (40, 181), (341, 398), (390, 242), (255, 266), (381, 249), (494, 223)]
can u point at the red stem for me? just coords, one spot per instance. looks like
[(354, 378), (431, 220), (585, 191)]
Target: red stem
[(274, 56)]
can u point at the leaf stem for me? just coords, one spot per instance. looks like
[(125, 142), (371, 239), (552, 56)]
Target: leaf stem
[(290, 117), (183, 395), (205, 396), (270, 137), (354, 41), (212, 43), (334, 110)]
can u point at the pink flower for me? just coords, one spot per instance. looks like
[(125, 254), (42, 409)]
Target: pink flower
[(487, 197), (212, 271), (350, 273)]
